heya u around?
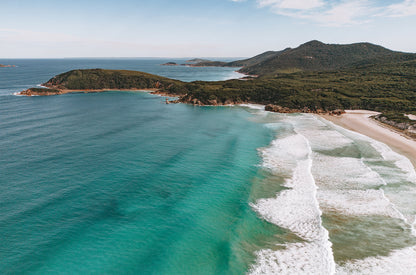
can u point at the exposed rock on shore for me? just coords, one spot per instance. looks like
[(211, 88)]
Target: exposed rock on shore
[(280, 109), (41, 92), (408, 126), (6, 66)]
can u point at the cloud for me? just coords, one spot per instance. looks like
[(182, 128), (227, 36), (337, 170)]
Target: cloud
[(405, 8), (339, 12), (291, 4), (323, 12)]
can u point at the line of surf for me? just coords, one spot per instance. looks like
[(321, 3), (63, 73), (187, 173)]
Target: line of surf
[(296, 209)]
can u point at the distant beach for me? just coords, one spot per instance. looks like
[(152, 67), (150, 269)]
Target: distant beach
[(360, 121)]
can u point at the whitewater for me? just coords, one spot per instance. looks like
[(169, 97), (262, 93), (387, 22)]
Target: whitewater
[(349, 199)]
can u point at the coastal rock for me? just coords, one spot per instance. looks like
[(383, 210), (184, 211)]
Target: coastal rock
[(6, 66), (213, 102), (40, 92), (280, 109), (337, 112), (403, 125), (286, 110)]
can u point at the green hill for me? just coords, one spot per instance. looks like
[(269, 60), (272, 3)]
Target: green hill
[(315, 56), (256, 59), (390, 87), (91, 79)]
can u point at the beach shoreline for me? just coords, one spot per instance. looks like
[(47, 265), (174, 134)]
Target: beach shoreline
[(360, 121)]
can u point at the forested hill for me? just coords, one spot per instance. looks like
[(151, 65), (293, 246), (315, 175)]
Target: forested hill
[(390, 87), (91, 79), (317, 56)]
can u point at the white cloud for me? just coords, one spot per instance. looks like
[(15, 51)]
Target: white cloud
[(292, 4), (340, 12), (347, 13), (405, 8)]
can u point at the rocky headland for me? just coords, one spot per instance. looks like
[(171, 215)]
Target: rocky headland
[(6, 66)]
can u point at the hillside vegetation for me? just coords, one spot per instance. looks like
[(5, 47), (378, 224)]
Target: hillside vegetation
[(91, 79), (322, 77), (317, 56), (391, 87)]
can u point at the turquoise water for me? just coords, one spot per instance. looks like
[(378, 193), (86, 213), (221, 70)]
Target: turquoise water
[(119, 182)]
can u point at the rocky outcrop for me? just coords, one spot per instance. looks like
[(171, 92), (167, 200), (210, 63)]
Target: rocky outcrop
[(209, 102), (286, 110), (408, 127), (41, 92), (6, 66)]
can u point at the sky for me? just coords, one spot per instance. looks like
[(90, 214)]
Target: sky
[(197, 28)]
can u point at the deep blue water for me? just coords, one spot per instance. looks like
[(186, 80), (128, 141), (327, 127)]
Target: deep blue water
[(119, 182)]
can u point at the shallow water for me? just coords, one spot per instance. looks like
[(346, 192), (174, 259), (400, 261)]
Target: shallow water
[(351, 199)]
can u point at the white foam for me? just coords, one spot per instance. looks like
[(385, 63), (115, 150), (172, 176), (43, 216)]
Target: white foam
[(284, 153), (358, 203), (368, 180), (399, 262), (253, 106), (344, 173), (296, 258), (386, 152), (296, 209), (345, 180), (318, 134), (414, 226), (401, 161), (235, 75)]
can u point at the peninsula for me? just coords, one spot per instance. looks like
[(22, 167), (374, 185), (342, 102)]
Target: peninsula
[(313, 78)]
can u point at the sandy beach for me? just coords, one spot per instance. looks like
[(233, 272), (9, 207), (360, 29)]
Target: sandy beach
[(360, 121)]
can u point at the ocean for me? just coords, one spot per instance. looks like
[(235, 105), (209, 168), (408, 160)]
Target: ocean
[(119, 182)]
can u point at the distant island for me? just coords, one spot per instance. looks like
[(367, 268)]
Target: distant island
[(197, 60), (6, 66), (170, 64), (313, 78)]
